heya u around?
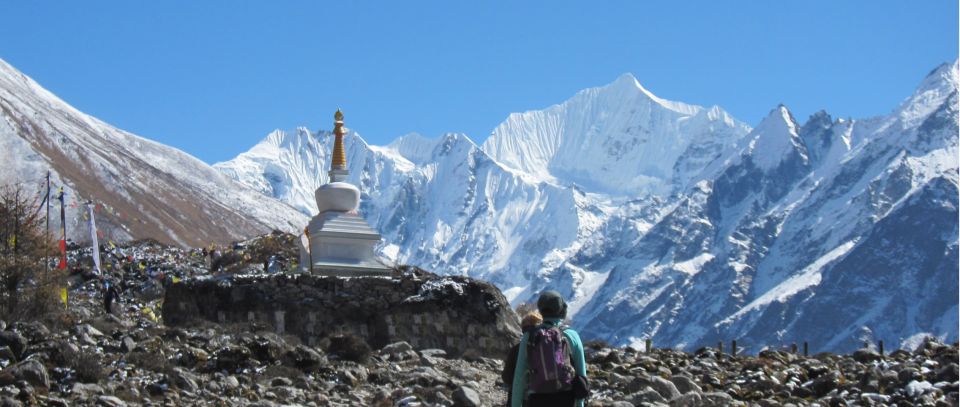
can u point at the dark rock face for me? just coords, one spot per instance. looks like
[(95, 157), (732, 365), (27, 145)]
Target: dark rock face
[(455, 314)]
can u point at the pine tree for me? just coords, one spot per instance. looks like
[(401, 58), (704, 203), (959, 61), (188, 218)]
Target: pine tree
[(27, 290)]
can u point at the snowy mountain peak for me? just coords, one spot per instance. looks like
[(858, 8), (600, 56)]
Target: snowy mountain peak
[(279, 137), (618, 139), (629, 84), (946, 72), (932, 92), (774, 138), (414, 147), (448, 140), (818, 136), (821, 119), (420, 150)]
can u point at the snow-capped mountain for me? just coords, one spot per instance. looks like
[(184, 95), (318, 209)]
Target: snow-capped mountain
[(830, 233), (618, 139), (674, 222), (141, 188), (449, 207)]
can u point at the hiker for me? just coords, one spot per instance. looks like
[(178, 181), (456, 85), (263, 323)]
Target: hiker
[(551, 368), (215, 258), (529, 322), (110, 294)]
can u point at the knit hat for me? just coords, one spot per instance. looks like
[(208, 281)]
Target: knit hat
[(551, 305)]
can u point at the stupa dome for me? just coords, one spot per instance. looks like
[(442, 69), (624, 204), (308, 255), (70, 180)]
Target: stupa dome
[(337, 196)]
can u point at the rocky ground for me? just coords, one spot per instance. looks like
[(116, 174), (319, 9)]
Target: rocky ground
[(89, 357)]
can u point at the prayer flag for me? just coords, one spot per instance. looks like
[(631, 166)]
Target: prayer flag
[(96, 243), (63, 233)]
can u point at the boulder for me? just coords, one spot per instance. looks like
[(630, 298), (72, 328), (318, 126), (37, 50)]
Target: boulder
[(717, 399), (232, 357), (825, 383), (7, 354), (185, 379), (866, 356), (110, 401), (647, 395), (30, 371), (685, 384), (230, 382), (127, 344), (17, 342), (304, 358), (687, 400), (665, 387), (395, 348), (466, 397)]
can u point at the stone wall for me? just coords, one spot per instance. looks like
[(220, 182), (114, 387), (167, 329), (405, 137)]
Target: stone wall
[(451, 313)]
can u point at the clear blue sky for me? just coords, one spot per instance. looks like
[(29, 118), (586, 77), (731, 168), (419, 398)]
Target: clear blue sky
[(214, 77)]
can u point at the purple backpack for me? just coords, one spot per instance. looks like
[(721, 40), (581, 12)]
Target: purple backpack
[(549, 361)]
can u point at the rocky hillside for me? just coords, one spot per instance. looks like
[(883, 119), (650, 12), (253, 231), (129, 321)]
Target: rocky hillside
[(141, 188), (132, 357)]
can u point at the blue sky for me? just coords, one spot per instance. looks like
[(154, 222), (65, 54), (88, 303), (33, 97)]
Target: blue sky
[(214, 77)]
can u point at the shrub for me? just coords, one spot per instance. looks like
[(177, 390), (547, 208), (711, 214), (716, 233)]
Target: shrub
[(228, 261), (87, 365), (349, 347), (152, 361)]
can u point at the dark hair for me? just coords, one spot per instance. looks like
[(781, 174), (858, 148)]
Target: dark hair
[(551, 305)]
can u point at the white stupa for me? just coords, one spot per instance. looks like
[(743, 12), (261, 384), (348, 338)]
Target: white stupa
[(338, 241)]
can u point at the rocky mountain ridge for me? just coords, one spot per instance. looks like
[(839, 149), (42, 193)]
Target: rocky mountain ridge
[(140, 188), (719, 232), (132, 356)]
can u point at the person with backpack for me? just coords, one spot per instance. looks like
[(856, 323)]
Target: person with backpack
[(110, 294), (529, 322), (551, 368)]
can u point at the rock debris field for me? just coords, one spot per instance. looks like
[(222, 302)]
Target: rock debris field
[(130, 357)]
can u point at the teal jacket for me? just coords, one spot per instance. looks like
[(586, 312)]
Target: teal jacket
[(520, 374)]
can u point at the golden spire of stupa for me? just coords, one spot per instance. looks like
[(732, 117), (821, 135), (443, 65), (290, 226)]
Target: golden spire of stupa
[(339, 156)]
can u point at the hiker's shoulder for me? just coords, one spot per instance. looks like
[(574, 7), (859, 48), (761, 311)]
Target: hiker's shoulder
[(571, 333)]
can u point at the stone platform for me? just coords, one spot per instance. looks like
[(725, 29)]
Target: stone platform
[(451, 313)]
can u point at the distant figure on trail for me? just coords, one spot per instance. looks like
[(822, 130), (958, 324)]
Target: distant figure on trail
[(529, 322), (215, 257), (110, 294), (551, 368)]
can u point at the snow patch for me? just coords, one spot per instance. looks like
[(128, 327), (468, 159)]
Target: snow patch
[(437, 288), (693, 266), (512, 293), (808, 277)]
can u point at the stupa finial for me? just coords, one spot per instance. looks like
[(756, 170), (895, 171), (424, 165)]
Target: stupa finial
[(339, 163)]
